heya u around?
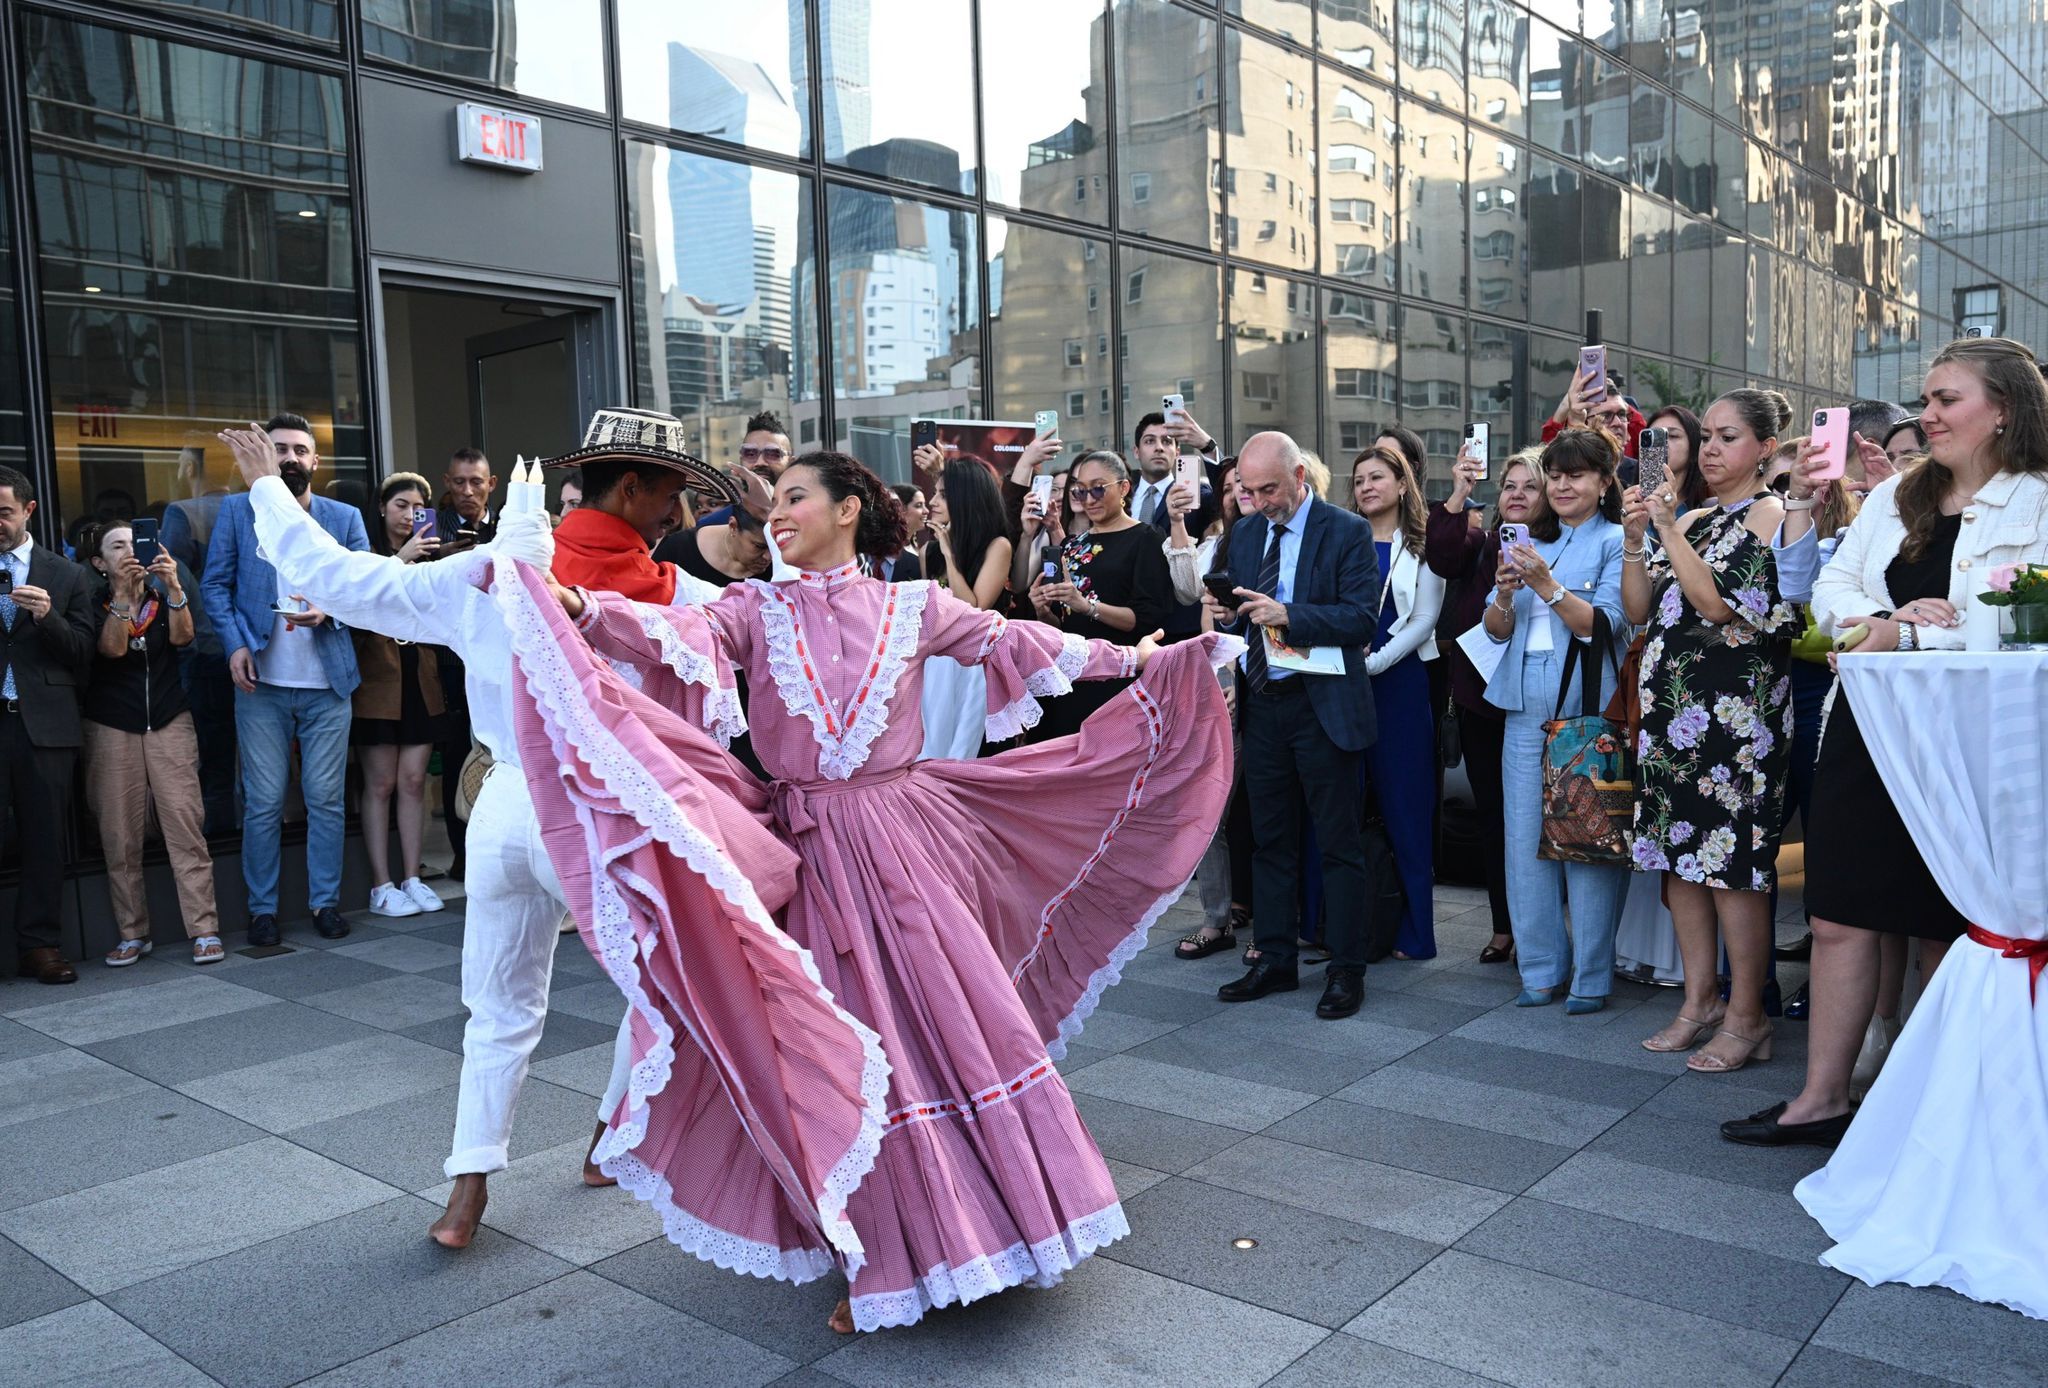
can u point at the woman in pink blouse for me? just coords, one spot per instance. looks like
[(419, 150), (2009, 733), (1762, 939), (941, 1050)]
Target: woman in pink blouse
[(889, 1106)]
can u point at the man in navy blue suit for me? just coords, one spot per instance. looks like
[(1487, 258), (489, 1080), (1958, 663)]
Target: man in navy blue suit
[(1308, 569)]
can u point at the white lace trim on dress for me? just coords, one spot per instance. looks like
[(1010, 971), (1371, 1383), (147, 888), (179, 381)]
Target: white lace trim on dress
[(571, 723), (844, 741), (1023, 713), (723, 718), (1040, 1264)]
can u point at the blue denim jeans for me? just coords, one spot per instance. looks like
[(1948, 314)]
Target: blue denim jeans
[(1548, 952), (266, 722)]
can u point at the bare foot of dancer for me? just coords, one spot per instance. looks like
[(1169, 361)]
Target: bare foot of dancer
[(593, 1174), (842, 1317), (465, 1208)]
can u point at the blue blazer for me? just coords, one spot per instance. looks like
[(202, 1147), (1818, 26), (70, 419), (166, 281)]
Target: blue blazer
[(1589, 566), (1334, 602), (239, 586)]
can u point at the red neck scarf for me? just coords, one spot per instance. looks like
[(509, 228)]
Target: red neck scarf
[(602, 553)]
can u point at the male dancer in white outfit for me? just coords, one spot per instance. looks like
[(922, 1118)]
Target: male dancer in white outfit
[(515, 906)]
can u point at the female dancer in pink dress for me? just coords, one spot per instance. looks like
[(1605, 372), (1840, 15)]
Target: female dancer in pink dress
[(849, 986)]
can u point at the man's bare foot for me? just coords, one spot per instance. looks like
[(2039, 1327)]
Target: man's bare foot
[(593, 1174), (465, 1210), (842, 1317)]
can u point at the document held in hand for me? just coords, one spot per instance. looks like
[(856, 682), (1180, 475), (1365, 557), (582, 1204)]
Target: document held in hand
[(1306, 660)]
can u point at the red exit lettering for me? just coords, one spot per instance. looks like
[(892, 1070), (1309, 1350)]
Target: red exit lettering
[(501, 137), (98, 422)]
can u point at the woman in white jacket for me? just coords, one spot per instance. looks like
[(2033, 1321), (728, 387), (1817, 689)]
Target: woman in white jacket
[(1402, 760), (1908, 568)]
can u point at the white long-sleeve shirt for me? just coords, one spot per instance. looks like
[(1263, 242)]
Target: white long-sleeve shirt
[(440, 604)]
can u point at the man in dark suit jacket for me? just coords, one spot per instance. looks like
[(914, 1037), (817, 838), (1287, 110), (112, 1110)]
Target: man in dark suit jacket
[(1307, 568), (46, 641)]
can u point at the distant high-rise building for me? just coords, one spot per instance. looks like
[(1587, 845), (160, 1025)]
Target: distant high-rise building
[(843, 25)]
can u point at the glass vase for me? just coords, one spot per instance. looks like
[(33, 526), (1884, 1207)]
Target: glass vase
[(2029, 626)]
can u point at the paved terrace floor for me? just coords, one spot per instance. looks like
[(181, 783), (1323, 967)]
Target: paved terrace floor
[(226, 1177)]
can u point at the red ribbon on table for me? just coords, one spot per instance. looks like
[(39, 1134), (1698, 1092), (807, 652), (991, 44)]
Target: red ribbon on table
[(2035, 952)]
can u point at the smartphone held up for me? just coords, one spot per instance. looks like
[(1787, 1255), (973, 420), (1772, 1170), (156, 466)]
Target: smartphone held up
[(1653, 460), (1831, 436)]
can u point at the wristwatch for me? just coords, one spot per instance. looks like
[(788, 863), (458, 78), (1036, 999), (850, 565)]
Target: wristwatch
[(1909, 637), (1559, 596)]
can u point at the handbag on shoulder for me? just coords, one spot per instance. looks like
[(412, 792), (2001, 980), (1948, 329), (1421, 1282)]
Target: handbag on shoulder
[(1589, 798)]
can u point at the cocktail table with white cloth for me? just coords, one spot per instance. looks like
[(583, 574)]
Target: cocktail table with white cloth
[(1939, 1180)]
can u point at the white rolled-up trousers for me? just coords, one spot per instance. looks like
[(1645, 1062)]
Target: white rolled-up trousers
[(512, 924)]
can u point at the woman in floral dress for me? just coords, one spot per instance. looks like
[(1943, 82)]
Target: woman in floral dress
[(1717, 722)]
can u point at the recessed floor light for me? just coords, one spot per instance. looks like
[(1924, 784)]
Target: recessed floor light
[(1243, 1243)]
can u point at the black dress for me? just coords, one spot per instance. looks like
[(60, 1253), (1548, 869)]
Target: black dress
[(414, 726), (1862, 866), (1123, 568)]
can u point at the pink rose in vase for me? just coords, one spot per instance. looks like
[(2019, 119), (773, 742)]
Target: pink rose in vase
[(2000, 578)]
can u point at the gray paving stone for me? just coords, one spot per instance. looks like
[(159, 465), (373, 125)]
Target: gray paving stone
[(30, 1287), (1475, 1156), (577, 1330), (231, 1041), (599, 1001), (1110, 1031), (1454, 984), (1695, 1149), (1309, 1266), (1562, 1077), (1345, 1361), (587, 1071), (1697, 1275), (405, 1142), (315, 1085), (308, 971), (19, 995), (1150, 1000), (1427, 1208), (1563, 1333), (136, 1132), (130, 1230), (1825, 1368), (392, 1004), (88, 1346), (1131, 1180), (1933, 1331), (1549, 1030), (1436, 1016), (1255, 1025), (1515, 1112), (1740, 1215), (1712, 1099), (562, 1033), (405, 953), (1150, 1138), (377, 1263), (1024, 1339), (1196, 1094), (808, 1376), (789, 1320), (18, 1042), (176, 999), (1079, 1056), (58, 1081), (541, 1200), (1202, 1047)]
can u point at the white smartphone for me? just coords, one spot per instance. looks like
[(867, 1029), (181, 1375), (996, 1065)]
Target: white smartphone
[(1041, 487), (1175, 404), (1653, 455), (1831, 433), (1188, 468), (1593, 363), (1478, 438), (1047, 423)]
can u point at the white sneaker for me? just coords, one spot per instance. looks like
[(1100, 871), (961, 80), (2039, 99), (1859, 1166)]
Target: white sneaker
[(388, 900), (422, 896)]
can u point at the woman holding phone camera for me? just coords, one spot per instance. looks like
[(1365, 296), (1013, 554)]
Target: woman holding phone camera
[(400, 715), (1897, 583), (139, 741), (1112, 583), (970, 555), (1386, 490), (1717, 721), (1547, 593), (1467, 558)]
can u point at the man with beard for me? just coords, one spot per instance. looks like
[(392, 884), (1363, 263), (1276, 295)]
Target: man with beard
[(294, 673)]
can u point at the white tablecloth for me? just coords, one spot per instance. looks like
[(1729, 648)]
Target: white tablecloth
[(1940, 1180)]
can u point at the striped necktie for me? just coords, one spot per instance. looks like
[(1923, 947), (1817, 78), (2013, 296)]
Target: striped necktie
[(1268, 583)]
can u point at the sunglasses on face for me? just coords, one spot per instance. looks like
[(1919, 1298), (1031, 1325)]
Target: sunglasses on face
[(770, 454), (1094, 493)]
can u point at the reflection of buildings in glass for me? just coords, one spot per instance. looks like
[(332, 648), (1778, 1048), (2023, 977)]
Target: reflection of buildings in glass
[(1359, 189), (1362, 346), (1051, 333), (196, 257), (478, 41), (848, 99)]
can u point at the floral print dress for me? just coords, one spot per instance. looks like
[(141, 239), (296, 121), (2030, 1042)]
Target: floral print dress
[(1716, 735)]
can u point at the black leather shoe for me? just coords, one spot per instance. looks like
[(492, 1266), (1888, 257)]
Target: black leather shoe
[(1264, 978), (331, 924), (1342, 994), (1764, 1130), (263, 930)]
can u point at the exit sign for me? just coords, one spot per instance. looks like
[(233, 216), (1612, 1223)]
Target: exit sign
[(506, 139)]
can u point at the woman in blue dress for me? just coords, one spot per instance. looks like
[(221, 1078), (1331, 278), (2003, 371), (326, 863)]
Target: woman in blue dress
[(1402, 760)]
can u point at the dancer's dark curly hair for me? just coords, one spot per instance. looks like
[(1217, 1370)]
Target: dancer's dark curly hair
[(883, 528)]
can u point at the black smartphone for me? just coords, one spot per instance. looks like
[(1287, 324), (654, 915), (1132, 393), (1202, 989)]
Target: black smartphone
[(1595, 334), (923, 432), (426, 522), (1223, 588), (147, 547), (6, 579)]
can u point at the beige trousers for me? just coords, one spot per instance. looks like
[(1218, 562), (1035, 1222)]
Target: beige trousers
[(123, 773)]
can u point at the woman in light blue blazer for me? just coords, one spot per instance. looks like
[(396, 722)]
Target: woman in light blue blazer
[(1549, 596)]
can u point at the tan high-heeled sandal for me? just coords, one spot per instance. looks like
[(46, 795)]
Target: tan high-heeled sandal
[(1758, 1049), (1700, 1031)]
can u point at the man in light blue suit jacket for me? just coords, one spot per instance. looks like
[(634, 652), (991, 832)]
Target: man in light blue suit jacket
[(294, 674)]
